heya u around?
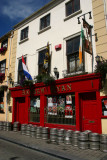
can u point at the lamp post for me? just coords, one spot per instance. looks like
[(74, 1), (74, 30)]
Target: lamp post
[(56, 72)]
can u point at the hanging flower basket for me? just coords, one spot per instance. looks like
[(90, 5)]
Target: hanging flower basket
[(26, 83), (3, 50), (3, 88), (45, 78), (101, 68)]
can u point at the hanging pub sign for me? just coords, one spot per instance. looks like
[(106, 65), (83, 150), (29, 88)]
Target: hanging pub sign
[(87, 40)]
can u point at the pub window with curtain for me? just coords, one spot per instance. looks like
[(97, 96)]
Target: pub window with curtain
[(21, 75), (72, 6), (72, 53)]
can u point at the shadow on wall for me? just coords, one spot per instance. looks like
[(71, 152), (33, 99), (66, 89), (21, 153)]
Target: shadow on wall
[(13, 158)]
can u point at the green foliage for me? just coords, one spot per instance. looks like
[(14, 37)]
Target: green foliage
[(8, 96), (45, 78), (3, 88), (27, 83), (101, 68)]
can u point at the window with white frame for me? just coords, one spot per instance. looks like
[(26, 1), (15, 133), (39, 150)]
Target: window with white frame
[(72, 52), (45, 22), (72, 6), (24, 33)]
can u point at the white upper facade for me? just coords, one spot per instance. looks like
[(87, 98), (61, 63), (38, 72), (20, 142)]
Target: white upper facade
[(61, 29)]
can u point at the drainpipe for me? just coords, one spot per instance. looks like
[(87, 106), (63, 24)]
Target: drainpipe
[(105, 12), (8, 72)]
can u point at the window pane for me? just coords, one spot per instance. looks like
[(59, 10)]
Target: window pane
[(2, 66), (76, 5), (45, 22), (78, 66), (69, 47), (71, 64), (34, 109), (24, 33), (76, 44), (60, 109), (69, 7), (104, 107), (41, 56)]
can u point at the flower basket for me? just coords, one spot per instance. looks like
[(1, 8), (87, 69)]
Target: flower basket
[(27, 83), (3, 50), (45, 78)]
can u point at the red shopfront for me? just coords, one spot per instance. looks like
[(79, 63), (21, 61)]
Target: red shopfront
[(69, 103)]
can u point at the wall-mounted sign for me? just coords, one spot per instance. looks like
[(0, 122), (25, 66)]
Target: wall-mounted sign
[(57, 47)]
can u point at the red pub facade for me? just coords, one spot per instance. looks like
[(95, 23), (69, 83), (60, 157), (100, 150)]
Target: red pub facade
[(69, 103)]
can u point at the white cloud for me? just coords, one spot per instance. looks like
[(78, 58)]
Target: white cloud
[(15, 9)]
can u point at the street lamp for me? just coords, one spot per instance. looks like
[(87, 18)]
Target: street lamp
[(56, 72), (97, 59)]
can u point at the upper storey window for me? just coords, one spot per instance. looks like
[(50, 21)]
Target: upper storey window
[(72, 6), (24, 33), (45, 22)]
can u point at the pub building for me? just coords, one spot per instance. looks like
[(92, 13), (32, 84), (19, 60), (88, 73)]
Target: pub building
[(69, 103)]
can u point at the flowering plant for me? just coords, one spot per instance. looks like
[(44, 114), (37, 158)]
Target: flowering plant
[(3, 49)]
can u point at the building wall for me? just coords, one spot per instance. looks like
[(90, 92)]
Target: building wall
[(7, 116), (100, 21), (61, 30)]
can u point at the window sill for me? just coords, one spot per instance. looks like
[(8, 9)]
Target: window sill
[(24, 40), (45, 29), (73, 15)]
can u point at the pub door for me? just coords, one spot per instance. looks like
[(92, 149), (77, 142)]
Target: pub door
[(21, 106), (89, 112)]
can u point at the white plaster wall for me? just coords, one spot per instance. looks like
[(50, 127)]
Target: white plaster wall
[(59, 32)]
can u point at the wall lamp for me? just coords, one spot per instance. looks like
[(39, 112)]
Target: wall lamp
[(97, 59), (83, 15), (96, 38), (56, 72)]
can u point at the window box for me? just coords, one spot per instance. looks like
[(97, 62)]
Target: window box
[(3, 50)]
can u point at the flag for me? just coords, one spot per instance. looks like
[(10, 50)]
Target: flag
[(81, 44), (46, 60), (25, 70)]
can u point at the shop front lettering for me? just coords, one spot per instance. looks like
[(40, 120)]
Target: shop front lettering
[(36, 91), (25, 92), (64, 88)]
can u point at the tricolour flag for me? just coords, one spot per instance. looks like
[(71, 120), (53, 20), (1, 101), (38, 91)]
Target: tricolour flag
[(81, 44), (46, 59), (25, 70)]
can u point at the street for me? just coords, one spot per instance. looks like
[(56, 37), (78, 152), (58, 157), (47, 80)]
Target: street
[(10, 151)]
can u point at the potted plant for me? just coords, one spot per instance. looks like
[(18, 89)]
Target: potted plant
[(45, 78), (3, 49), (101, 68), (26, 83)]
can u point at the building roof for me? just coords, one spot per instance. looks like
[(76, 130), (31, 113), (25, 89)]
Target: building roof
[(39, 12)]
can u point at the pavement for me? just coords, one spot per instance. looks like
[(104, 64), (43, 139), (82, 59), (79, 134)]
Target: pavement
[(66, 152)]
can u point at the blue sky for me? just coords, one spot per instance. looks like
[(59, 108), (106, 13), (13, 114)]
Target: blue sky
[(14, 11)]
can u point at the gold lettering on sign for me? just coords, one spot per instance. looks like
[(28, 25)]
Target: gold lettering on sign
[(38, 91), (69, 87), (27, 92), (42, 90), (23, 92), (63, 88), (58, 88), (34, 91)]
